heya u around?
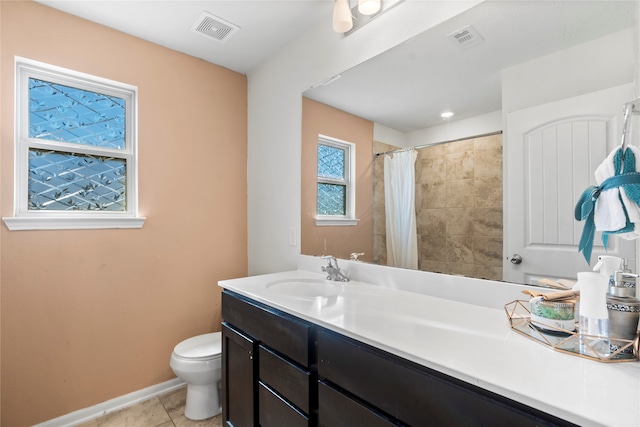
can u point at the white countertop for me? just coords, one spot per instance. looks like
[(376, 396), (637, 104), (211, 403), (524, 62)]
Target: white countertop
[(469, 342)]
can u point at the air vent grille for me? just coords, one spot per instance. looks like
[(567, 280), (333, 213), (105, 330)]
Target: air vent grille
[(214, 27), (466, 37)]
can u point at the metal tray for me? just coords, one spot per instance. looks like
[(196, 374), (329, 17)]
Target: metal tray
[(622, 350)]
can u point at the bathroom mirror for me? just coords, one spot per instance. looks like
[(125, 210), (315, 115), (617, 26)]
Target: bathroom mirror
[(482, 66)]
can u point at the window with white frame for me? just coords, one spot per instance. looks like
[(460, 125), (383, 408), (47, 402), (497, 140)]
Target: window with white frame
[(336, 182), (75, 150)]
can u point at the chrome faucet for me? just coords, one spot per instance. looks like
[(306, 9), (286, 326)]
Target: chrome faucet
[(332, 269)]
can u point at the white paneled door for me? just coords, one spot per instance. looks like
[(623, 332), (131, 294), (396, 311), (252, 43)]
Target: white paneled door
[(552, 151)]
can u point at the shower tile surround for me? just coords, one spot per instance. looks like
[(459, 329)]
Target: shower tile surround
[(379, 216), (458, 207)]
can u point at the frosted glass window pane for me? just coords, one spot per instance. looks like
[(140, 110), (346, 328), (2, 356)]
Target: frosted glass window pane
[(63, 113), (61, 181), (331, 199), (330, 162)]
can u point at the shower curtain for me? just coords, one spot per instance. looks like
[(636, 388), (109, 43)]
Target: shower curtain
[(399, 202)]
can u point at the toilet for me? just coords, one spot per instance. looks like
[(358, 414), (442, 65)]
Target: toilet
[(197, 361)]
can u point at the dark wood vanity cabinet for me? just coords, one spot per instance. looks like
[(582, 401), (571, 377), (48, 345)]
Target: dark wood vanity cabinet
[(279, 370), (273, 383)]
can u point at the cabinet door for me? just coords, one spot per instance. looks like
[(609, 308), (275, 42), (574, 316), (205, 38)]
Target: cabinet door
[(239, 392)]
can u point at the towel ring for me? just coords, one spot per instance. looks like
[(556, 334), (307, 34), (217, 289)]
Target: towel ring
[(629, 109)]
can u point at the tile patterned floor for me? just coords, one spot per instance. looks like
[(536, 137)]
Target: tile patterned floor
[(166, 410)]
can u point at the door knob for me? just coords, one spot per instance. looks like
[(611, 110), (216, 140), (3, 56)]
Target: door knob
[(516, 259)]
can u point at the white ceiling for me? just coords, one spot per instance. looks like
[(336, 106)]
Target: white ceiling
[(266, 26), (405, 88)]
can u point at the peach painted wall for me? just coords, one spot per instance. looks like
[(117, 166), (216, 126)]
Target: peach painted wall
[(89, 315), (340, 241)]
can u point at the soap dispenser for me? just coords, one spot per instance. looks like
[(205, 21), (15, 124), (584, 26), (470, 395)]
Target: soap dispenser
[(624, 309), (594, 317)]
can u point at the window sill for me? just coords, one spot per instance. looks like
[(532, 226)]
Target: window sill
[(333, 222), (71, 223)]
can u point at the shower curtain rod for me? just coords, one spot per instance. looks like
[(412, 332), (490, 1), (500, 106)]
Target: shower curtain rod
[(417, 147)]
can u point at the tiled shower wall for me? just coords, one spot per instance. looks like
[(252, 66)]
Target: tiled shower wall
[(458, 208), (379, 217)]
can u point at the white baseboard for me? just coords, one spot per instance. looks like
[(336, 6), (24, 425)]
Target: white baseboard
[(88, 414)]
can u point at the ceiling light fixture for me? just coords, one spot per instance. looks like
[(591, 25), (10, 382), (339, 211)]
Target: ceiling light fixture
[(446, 115), (342, 21), (368, 7), (347, 19)]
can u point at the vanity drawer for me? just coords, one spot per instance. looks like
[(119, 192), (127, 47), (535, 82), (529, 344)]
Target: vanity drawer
[(276, 412), (414, 394), (282, 332), (338, 410), (289, 380)]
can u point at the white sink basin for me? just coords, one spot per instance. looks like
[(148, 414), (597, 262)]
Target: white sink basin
[(309, 288)]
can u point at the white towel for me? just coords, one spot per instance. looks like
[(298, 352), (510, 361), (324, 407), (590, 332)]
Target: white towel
[(609, 214)]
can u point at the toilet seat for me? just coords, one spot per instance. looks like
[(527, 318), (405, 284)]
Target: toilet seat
[(201, 347)]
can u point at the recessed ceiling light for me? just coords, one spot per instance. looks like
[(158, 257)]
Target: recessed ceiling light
[(446, 114)]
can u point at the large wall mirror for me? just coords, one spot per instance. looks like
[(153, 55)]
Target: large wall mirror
[(536, 89)]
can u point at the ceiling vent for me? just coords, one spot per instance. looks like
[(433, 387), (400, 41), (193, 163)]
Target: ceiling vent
[(466, 37), (213, 27)]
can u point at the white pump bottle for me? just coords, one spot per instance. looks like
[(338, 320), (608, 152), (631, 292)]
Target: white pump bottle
[(594, 317), (608, 265)]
